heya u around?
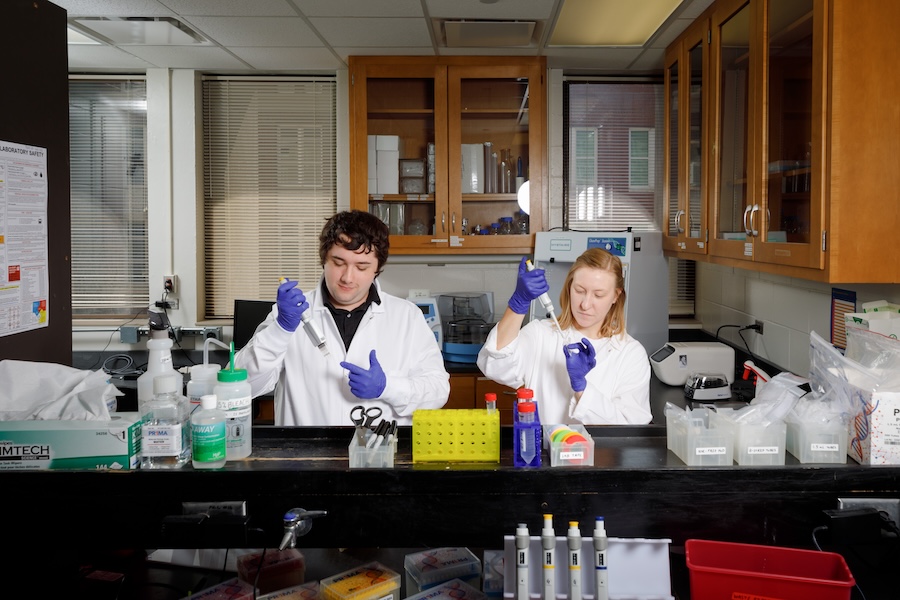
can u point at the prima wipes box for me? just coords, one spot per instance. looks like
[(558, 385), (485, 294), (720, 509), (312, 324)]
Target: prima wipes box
[(95, 445)]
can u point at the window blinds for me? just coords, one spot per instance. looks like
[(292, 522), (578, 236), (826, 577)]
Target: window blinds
[(107, 137), (269, 153)]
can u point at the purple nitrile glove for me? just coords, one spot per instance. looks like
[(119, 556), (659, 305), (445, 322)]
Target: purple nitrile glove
[(366, 383), (529, 286), (291, 303), (580, 359)]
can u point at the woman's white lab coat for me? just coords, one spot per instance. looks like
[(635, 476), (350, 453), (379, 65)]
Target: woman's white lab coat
[(313, 389), (618, 388)]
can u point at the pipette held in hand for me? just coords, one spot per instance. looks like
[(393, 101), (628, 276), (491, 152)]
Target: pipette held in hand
[(523, 540), (546, 302), (311, 329), (573, 540), (601, 543), (548, 542)]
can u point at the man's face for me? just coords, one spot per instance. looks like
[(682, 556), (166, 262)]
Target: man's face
[(349, 275)]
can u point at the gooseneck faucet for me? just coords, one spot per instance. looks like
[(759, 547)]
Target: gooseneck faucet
[(297, 523)]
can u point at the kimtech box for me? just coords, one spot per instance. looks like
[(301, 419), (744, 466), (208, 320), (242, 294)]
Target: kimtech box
[(113, 444)]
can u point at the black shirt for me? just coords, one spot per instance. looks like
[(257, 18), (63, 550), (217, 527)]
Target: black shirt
[(348, 321)]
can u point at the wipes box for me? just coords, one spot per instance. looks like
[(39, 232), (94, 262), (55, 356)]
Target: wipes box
[(113, 444)]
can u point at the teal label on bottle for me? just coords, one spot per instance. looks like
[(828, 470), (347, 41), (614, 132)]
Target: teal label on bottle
[(209, 442)]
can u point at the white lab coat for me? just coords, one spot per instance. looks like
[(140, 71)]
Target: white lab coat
[(618, 388), (313, 389)]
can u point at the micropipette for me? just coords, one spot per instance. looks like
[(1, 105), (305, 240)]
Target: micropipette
[(601, 543), (548, 542), (312, 330), (523, 541), (546, 302), (573, 540)]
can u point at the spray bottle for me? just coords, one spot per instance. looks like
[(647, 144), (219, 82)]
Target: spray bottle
[(160, 359)]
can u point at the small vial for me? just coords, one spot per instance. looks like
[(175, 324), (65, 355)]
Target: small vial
[(495, 228), (490, 400), (506, 226), (527, 450)]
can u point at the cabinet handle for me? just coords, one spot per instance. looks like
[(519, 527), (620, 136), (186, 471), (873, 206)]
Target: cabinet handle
[(453, 223), (746, 225), (752, 213), (443, 221), (678, 227)]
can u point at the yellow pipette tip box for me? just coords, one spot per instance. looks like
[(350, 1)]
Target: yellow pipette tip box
[(372, 581), (455, 435)]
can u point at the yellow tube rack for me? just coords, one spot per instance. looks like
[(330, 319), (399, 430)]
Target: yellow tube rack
[(455, 435)]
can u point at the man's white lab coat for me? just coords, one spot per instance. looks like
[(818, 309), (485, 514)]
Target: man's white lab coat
[(313, 389)]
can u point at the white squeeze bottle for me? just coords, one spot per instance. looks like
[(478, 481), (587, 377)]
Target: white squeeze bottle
[(160, 359), (234, 397), (208, 433)]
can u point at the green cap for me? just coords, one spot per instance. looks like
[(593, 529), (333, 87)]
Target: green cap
[(232, 375)]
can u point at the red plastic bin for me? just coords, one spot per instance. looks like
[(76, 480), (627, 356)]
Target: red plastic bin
[(728, 570)]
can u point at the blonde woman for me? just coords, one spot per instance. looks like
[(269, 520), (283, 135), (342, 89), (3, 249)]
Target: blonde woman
[(592, 372)]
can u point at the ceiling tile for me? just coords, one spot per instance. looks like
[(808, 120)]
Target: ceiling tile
[(346, 51), (257, 31), (601, 60), (289, 59), (359, 8), (116, 8), (104, 57), (373, 32), (502, 9), (183, 57), (232, 8)]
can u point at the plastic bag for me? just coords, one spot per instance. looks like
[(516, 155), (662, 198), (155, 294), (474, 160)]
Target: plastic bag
[(877, 352), (773, 401)]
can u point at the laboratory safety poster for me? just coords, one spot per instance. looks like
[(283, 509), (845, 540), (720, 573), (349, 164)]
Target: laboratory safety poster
[(24, 281)]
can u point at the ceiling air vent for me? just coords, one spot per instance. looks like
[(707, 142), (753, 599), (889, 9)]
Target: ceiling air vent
[(471, 34)]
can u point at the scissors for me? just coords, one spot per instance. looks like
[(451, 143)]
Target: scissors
[(363, 418)]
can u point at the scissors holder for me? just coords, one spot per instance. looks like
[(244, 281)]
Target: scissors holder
[(372, 458), (455, 435)]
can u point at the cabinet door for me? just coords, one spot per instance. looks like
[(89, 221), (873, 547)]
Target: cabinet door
[(686, 148), (398, 152), (496, 138), (791, 227), (733, 208)]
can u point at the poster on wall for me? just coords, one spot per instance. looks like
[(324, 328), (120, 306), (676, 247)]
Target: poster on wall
[(24, 256)]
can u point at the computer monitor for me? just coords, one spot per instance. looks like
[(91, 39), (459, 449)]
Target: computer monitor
[(248, 314)]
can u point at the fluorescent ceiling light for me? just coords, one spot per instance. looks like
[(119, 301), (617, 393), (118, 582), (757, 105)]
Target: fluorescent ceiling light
[(476, 34), (163, 31), (610, 22)]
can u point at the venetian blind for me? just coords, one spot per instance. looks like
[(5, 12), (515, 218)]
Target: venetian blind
[(107, 139), (269, 155), (612, 158)]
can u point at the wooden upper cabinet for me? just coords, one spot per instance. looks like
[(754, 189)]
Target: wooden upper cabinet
[(802, 138), (440, 148)]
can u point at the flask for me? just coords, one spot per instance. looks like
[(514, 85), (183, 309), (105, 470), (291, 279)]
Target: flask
[(208, 434), (234, 398), (164, 429), (159, 361)]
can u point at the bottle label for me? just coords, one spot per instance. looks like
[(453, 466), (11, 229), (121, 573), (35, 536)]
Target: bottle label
[(161, 440), (244, 402), (208, 441)]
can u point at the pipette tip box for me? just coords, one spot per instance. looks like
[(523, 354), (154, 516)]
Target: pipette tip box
[(429, 568), (455, 589), (372, 581)]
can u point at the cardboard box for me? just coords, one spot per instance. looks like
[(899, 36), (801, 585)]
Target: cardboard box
[(874, 437), (95, 445), (885, 322)]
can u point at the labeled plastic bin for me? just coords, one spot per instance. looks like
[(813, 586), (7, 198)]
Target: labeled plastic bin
[(569, 445), (728, 570), (372, 581), (430, 568), (362, 457), (818, 442), (700, 437), (455, 435), (756, 444)]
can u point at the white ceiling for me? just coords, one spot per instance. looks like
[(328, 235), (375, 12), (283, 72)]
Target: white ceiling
[(316, 36)]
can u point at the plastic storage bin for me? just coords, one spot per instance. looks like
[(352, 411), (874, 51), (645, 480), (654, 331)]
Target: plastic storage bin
[(372, 581), (455, 589), (429, 568), (372, 458), (700, 437), (455, 435), (818, 442), (728, 570), (758, 445), (569, 445)]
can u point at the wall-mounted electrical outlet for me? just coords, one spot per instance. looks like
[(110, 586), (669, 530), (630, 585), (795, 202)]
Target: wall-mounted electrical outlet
[(419, 293), (170, 284), (759, 327)]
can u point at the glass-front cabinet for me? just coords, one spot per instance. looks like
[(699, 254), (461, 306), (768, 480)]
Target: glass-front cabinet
[(686, 72), (767, 207), (449, 151)]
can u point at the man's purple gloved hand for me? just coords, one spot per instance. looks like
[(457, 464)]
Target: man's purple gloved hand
[(529, 285), (291, 303), (366, 383)]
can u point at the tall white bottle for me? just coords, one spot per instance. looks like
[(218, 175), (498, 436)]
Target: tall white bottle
[(234, 397), (208, 435), (158, 363), (165, 434)]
